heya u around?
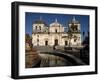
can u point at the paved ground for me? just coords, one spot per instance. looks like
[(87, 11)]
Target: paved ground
[(44, 48), (48, 60), (57, 57)]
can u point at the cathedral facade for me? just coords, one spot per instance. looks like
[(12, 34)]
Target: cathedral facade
[(55, 33)]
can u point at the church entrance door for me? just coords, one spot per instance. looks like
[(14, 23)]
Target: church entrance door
[(56, 42), (46, 43), (66, 43)]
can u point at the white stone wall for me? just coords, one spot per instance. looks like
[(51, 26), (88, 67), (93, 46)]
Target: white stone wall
[(78, 41), (51, 39), (59, 29), (36, 27), (54, 32)]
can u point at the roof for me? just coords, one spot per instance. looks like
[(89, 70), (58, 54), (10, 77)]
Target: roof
[(40, 21), (55, 24), (74, 21)]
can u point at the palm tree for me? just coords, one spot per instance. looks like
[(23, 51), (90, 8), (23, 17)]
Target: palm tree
[(83, 35)]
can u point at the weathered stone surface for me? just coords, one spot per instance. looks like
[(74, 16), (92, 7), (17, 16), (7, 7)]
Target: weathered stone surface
[(31, 58)]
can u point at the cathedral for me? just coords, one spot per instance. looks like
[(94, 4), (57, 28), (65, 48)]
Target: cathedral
[(56, 34)]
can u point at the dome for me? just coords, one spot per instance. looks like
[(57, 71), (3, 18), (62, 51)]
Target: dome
[(74, 21), (55, 24), (40, 21)]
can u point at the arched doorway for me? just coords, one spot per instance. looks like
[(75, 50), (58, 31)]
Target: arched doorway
[(66, 43), (56, 42), (46, 43)]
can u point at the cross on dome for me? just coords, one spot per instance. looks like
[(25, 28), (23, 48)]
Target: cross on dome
[(56, 20), (74, 18), (40, 18)]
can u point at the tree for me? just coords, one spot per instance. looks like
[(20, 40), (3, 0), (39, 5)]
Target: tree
[(83, 35), (28, 40), (70, 35)]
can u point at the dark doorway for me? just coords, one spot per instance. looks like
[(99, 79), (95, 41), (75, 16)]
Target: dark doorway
[(66, 43), (56, 30), (56, 42), (46, 43)]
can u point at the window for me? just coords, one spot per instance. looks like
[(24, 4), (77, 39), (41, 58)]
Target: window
[(46, 43), (56, 42), (76, 28), (36, 27), (75, 40), (56, 30), (37, 40), (40, 27), (37, 35), (66, 42)]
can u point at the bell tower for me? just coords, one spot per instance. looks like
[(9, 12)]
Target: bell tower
[(74, 25), (74, 32), (39, 25)]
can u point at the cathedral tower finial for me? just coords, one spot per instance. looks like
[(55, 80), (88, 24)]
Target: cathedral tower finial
[(40, 18), (56, 20), (74, 18)]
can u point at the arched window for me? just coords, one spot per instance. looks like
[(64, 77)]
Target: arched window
[(40, 27), (36, 27), (37, 35), (56, 42), (75, 28), (56, 30), (66, 43), (46, 43), (37, 40), (75, 40)]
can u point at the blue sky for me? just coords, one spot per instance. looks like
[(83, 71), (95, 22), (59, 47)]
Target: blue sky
[(49, 18)]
